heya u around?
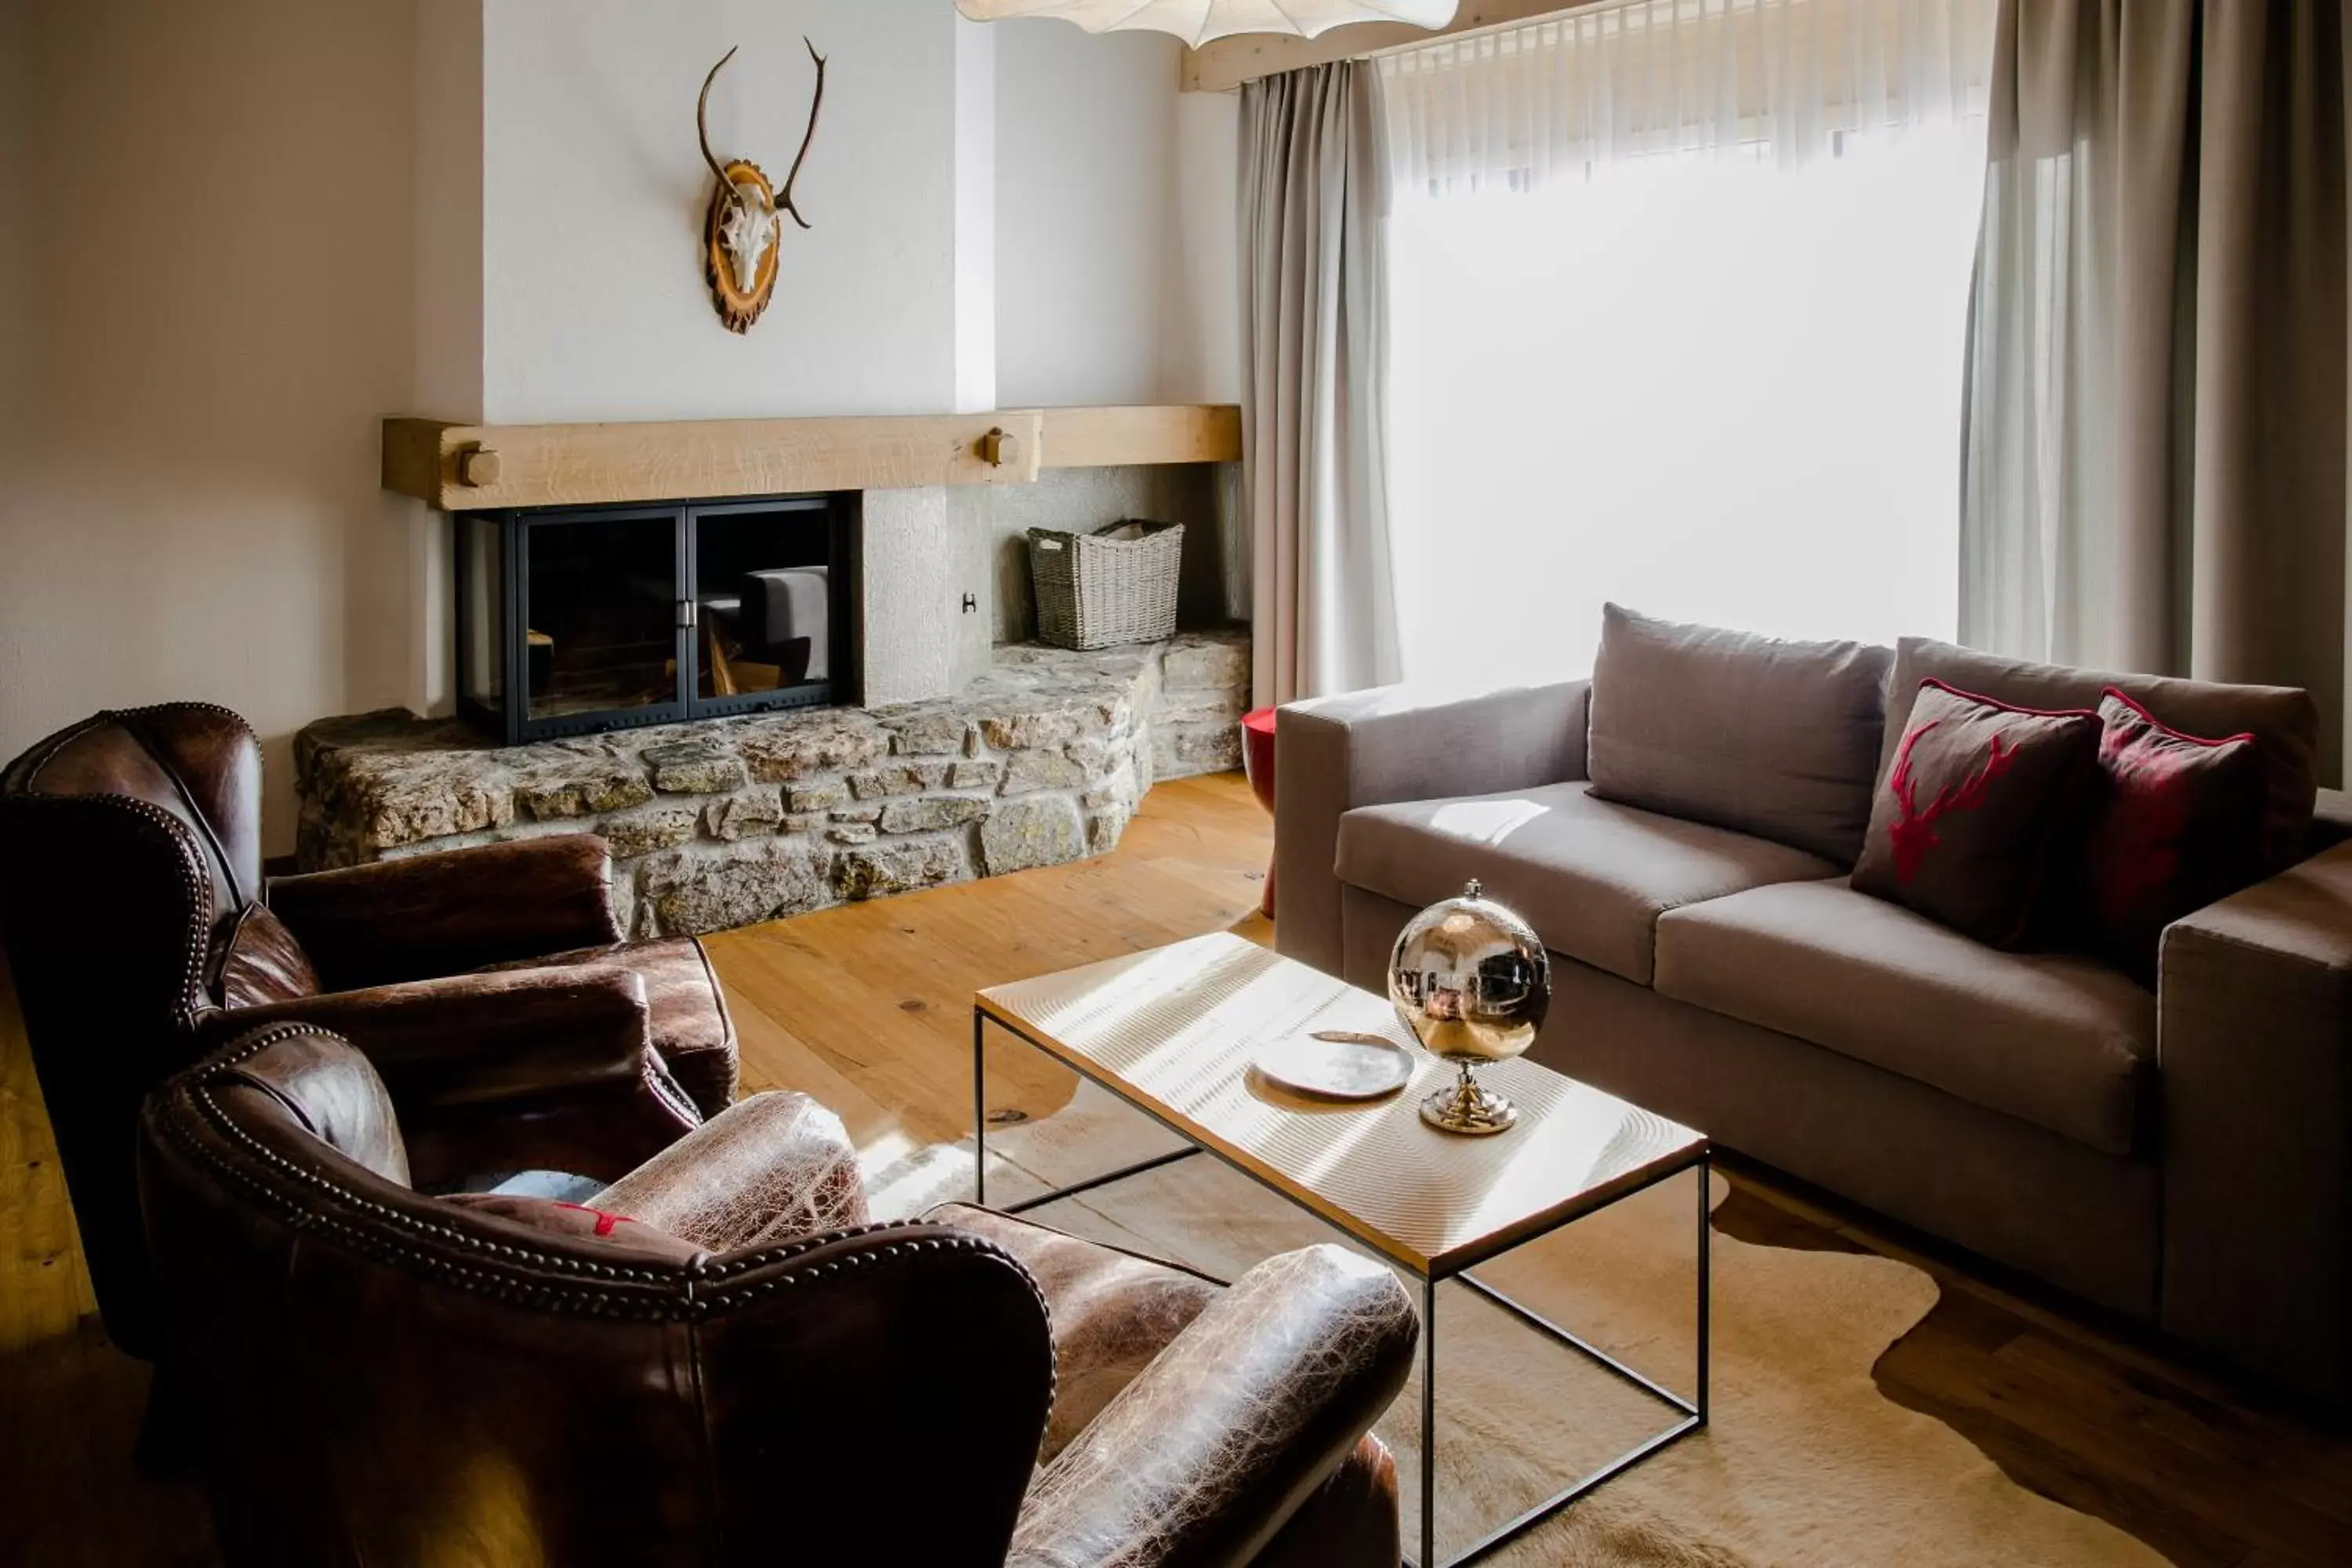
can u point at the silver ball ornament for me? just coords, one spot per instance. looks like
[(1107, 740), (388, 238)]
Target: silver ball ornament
[(1472, 981)]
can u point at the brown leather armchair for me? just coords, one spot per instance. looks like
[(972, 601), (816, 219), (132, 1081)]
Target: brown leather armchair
[(715, 1361), (141, 934)]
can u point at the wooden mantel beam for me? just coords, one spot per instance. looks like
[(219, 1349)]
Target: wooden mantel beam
[(478, 468), (1222, 66)]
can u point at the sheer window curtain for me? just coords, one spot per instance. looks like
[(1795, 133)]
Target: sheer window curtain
[(1678, 307)]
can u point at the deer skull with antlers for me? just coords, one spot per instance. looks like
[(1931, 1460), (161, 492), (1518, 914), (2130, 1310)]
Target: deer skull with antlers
[(745, 217)]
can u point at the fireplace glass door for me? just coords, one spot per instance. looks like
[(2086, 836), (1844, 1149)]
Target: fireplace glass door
[(577, 620), (602, 616), (763, 601)]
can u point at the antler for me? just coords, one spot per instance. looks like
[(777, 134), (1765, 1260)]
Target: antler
[(1913, 833), (1971, 794), (702, 129), (1907, 793), (784, 199)]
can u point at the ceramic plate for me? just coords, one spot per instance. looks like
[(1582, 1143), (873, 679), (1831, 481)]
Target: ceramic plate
[(1337, 1064)]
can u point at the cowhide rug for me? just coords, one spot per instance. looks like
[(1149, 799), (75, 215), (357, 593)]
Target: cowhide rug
[(1805, 1463)]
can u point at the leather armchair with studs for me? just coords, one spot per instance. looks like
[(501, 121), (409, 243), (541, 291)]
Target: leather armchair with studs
[(141, 933), (719, 1361)]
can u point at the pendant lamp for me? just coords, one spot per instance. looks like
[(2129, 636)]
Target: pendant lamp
[(1198, 21)]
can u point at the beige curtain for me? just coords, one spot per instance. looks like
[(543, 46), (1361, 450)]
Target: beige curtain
[(1314, 206), (2153, 462)]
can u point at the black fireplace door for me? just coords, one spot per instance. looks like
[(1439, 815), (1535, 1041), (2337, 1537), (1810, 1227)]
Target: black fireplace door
[(605, 634), (765, 603), (574, 621)]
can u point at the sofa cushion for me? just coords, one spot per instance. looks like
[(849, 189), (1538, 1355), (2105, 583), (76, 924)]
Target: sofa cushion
[(1590, 875), (2056, 1039), (2178, 826), (1982, 813), (2284, 719), (1777, 739)]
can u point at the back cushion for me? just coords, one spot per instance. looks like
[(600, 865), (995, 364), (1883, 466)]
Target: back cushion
[(262, 962), (323, 1085), (102, 757), (1778, 739), (2283, 719)]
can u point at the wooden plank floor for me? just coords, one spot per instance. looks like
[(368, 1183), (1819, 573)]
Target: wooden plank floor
[(868, 1007)]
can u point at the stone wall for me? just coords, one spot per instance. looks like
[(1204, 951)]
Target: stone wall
[(723, 822)]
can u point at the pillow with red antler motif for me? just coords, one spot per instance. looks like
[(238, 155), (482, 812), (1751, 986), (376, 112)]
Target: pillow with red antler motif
[(2180, 823), (1977, 800)]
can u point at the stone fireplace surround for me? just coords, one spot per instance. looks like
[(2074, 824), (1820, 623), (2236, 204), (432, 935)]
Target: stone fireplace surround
[(969, 750), (724, 821)]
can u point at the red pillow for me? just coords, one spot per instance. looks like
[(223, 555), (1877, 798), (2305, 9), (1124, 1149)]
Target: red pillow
[(2180, 823), (1979, 799)]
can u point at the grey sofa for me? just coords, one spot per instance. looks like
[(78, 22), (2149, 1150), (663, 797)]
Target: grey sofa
[(2182, 1155)]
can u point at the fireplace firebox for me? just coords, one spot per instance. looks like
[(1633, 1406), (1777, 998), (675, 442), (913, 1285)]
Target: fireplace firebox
[(580, 619)]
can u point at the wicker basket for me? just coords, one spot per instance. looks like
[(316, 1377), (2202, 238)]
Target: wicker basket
[(1116, 584)]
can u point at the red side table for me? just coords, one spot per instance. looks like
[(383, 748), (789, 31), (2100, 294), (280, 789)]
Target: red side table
[(1257, 762)]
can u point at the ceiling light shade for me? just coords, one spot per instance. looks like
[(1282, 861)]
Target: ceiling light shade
[(1198, 21)]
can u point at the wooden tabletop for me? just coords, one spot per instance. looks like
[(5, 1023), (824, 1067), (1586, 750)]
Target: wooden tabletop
[(1174, 1030)]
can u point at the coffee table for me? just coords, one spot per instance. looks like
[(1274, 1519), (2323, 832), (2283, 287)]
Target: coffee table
[(1171, 1031)]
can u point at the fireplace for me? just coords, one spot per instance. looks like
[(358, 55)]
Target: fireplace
[(574, 620)]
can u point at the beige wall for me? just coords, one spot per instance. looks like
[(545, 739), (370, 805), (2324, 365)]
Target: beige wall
[(15, 256), (215, 288)]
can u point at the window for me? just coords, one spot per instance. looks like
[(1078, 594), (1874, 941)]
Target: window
[(1704, 360)]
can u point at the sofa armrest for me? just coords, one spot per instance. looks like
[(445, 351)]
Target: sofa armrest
[(2255, 1047), (443, 914), (1210, 1450), (772, 1168), (2331, 821), (1395, 743), (528, 1068)]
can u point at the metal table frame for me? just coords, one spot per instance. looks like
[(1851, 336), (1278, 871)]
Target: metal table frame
[(1693, 1411)]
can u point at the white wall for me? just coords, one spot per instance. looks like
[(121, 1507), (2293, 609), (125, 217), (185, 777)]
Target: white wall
[(189, 507), (1201, 345), (593, 194), (447, 376), (1109, 276), (975, 217), (448, 228), (1086, 202)]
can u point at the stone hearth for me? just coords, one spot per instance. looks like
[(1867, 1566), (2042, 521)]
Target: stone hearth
[(723, 822)]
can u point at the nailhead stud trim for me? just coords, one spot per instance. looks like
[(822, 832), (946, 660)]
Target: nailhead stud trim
[(679, 1292)]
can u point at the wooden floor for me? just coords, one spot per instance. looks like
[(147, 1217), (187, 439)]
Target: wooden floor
[(868, 1007)]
